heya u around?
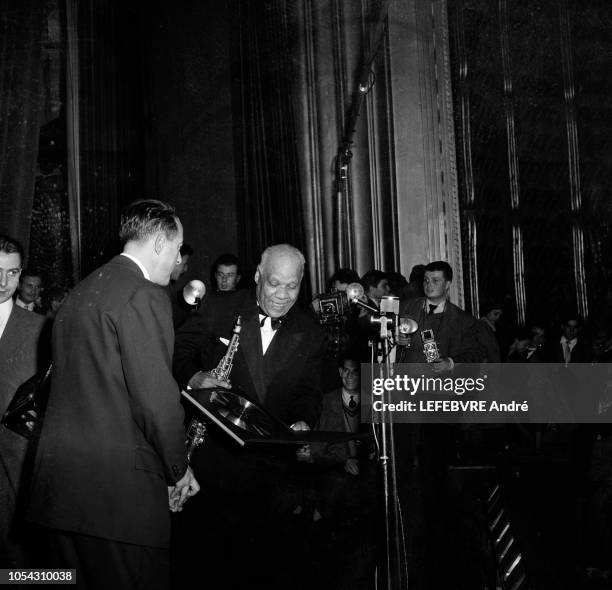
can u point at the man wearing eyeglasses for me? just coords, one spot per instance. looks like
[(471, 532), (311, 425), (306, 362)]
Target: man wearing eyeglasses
[(20, 359)]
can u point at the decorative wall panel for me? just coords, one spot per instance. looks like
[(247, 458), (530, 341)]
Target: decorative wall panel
[(520, 74)]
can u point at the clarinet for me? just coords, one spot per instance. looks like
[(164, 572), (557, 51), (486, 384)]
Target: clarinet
[(196, 431)]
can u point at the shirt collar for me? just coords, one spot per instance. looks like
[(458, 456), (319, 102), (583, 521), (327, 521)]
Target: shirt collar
[(140, 265), (6, 307), (21, 303), (346, 396), (571, 342), (5, 312), (439, 306)]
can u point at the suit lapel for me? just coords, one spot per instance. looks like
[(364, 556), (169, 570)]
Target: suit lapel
[(250, 342), (12, 335), (282, 349)]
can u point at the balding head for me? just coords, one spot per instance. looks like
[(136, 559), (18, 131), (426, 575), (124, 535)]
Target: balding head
[(278, 277)]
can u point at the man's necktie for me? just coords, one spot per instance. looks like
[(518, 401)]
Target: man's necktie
[(352, 403), (567, 353), (432, 307)]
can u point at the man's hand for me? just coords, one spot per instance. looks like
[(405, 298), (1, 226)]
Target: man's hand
[(404, 339), (352, 466), (184, 488), (442, 365), (204, 380), (300, 425)]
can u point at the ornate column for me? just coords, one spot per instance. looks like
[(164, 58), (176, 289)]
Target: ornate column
[(424, 140)]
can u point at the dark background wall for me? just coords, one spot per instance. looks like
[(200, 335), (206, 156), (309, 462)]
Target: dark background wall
[(193, 102), (559, 56)]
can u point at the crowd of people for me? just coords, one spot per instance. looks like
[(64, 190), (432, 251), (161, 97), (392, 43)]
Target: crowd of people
[(109, 468)]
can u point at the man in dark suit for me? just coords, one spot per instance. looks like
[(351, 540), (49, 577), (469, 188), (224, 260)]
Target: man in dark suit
[(454, 331), (278, 361), (29, 291), (277, 365), (571, 347), (21, 356), (341, 463), (111, 461)]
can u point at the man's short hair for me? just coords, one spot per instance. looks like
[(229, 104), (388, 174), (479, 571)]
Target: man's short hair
[(373, 277), (11, 246), (347, 357), (568, 315), (143, 219), (227, 260), (445, 267), (281, 249), (523, 333), (396, 280), (417, 273), (186, 250), (490, 306), (30, 272), (344, 275)]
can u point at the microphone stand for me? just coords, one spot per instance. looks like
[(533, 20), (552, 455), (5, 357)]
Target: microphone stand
[(396, 576)]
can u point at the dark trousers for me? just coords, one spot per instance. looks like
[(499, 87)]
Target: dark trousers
[(102, 564)]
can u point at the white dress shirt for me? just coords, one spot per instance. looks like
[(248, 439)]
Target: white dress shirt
[(266, 331), (347, 395), (24, 305), (5, 311), (141, 266), (568, 346)]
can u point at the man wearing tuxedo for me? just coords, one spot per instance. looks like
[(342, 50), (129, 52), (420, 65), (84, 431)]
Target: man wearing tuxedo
[(278, 361), (111, 462), (22, 354), (278, 366)]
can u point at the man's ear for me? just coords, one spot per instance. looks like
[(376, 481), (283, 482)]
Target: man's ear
[(257, 275), (160, 242)]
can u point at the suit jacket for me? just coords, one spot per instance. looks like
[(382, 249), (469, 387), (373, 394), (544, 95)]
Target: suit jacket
[(332, 420), (488, 342), (286, 380), (455, 332), (22, 354), (581, 353), (113, 434)]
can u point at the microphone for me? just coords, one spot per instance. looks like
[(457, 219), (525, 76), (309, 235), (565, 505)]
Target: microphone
[(193, 292)]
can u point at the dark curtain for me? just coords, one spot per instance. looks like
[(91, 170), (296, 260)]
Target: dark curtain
[(268, 192), (295, 77), (109, 124), (557, 83), (21, 100)]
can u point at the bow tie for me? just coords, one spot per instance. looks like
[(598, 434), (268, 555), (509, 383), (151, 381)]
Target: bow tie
[(274, 322), (432, 308)]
